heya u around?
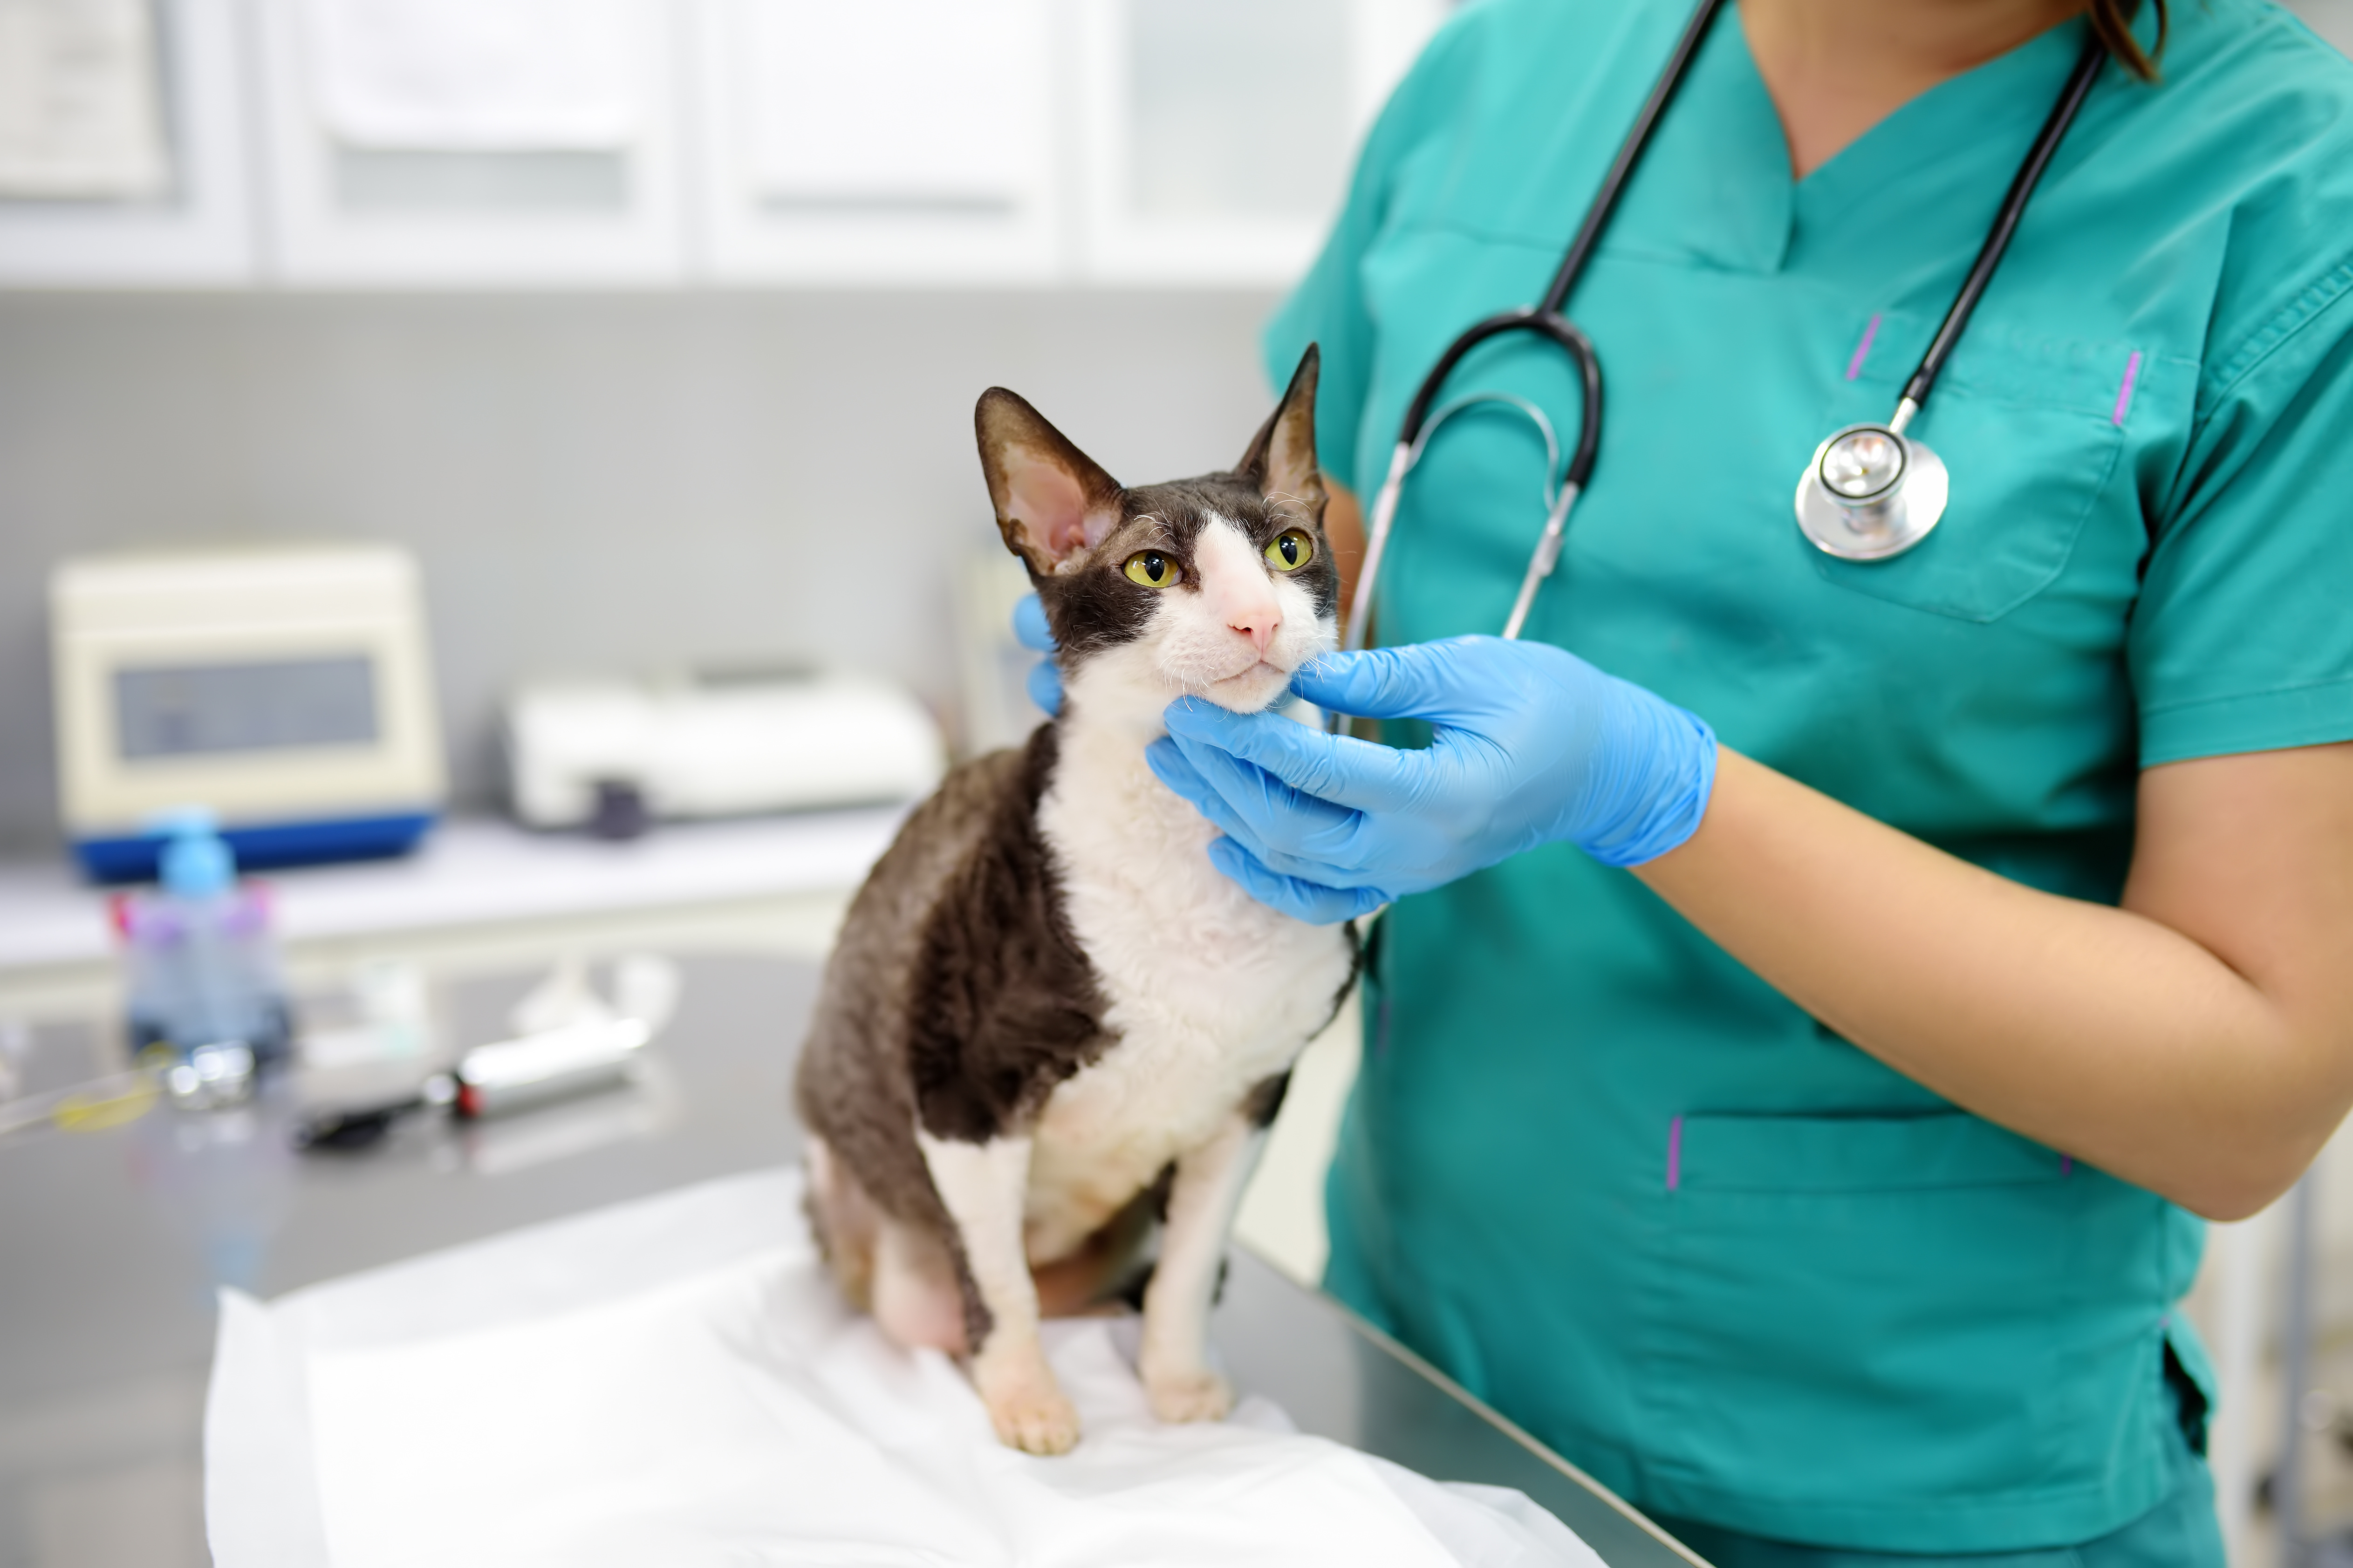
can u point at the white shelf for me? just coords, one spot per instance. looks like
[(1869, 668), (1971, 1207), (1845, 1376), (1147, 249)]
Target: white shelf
[(479, 872)]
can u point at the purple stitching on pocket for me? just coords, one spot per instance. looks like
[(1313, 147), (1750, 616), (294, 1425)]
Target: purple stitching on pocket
[(1675, 1153), (2066, 1166), (1862, 350), (2124, 393)]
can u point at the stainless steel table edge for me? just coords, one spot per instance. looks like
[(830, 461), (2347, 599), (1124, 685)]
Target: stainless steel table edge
[(1256, 1276), (1511, 1429)]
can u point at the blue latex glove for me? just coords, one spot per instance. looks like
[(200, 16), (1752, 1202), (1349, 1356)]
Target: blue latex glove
[(1530, 745), (1030, 629)]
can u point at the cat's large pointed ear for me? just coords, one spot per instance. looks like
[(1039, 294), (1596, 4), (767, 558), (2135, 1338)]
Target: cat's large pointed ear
[(1282, 456), (1053, 504)]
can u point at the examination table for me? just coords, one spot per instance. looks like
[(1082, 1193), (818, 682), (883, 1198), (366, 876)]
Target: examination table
[(114, 1239)]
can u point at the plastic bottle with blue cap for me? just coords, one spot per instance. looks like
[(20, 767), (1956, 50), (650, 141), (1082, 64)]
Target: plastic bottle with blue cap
[(203, 976)]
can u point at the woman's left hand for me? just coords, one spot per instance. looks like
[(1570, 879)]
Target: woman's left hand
[(1044, 681), (1530, 745)]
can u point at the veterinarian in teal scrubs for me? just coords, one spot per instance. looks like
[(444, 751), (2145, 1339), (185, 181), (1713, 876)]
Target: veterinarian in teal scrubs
[(1808, 1185)]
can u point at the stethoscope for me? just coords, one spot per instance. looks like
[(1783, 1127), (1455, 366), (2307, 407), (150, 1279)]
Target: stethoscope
[(1869, 492)]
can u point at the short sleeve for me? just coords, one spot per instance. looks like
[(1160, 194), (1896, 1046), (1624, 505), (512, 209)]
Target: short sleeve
[(1328, 307), (2242, 638)]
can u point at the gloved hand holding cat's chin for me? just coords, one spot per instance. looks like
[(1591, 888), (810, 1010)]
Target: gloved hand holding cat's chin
[(1529, 745)]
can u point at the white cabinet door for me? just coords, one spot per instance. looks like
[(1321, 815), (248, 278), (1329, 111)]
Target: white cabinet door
[(1217, 135), (473, 141), (881, 141), (841, 142), (122, 147)]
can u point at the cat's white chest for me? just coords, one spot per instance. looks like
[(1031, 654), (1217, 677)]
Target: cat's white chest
[(1209, 992)]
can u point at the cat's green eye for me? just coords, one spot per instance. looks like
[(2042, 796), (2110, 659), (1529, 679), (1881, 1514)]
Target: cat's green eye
[(1291, 550), (1150, 568)]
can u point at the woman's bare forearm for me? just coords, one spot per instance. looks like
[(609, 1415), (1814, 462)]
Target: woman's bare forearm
[(2198, 1041)]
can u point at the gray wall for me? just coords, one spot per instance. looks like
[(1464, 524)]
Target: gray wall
[(592, 482)]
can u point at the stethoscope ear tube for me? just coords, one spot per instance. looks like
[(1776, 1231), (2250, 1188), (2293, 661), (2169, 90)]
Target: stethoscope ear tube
[(1540, 564), (1376, 543), (1547, 555), (1558, 497), (1420, 423), (1565, 334)]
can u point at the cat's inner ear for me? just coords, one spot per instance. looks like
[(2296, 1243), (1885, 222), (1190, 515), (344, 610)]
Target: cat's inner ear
[(1053, 504), (1281, 457)]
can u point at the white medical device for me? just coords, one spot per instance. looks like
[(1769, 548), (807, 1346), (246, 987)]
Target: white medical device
[(715, 747), (286, 689)]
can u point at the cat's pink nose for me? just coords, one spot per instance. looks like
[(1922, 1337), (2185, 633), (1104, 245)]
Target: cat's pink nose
[(1239, 588), (1258, 621)]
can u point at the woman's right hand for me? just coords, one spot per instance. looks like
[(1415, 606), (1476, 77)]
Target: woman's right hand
[(1529, 745)]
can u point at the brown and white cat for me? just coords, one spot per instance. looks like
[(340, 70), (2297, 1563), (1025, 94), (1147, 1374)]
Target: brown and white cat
[(1049, 1021)]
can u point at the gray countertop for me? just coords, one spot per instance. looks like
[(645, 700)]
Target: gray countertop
[(113, 1240)]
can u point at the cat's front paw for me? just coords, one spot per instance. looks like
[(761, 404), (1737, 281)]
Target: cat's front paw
[(1026, 1405), (1194, 1394), (1035, 1420)]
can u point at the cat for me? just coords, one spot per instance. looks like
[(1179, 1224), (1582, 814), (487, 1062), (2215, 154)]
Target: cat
[(1051, 1028)]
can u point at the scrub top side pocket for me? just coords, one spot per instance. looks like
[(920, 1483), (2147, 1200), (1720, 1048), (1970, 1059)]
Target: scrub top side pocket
[(2031, 431), (1890, 1307)]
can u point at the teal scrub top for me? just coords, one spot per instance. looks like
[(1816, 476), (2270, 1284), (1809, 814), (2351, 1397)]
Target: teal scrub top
[(1593, 1167)]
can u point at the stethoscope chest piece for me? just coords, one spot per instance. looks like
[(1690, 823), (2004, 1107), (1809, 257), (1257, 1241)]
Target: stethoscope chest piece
[(1871, 492)]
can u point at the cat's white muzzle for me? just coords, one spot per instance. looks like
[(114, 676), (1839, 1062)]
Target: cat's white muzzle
[(1211, 642)]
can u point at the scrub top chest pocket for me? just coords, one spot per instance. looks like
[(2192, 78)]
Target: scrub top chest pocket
[(2031, 431)]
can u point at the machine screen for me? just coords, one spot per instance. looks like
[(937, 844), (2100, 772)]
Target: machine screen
[(189, 710)]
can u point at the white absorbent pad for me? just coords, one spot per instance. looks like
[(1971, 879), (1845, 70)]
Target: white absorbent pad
[(676, 1382)]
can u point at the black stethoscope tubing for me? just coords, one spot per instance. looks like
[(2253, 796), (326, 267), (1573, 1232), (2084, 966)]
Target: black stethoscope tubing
[(1547, 319), (2006, 221)]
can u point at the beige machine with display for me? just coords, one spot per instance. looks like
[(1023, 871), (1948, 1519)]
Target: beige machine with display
[(285, 690)]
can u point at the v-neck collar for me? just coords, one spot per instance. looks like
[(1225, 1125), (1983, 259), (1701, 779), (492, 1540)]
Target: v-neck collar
[(1954, 123), (1735, 204)]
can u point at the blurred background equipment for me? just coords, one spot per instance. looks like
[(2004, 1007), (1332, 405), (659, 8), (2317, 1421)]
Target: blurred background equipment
[(614, 757), (568, 1039), (201, 979), (288, 691), (356, 1080)]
